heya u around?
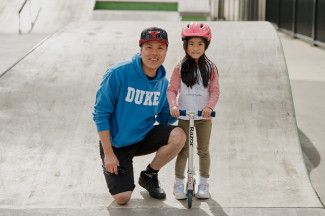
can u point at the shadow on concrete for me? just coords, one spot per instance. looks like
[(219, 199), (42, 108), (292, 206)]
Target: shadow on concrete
[(149, 206), (213, 207), (310, 152)]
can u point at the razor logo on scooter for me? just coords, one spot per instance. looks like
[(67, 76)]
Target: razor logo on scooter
[(191, 135)]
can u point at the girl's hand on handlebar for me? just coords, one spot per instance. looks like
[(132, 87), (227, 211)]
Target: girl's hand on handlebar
[(206, 112), (174, 111)]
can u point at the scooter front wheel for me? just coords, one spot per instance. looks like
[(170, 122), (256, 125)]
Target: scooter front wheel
[(189, 198)]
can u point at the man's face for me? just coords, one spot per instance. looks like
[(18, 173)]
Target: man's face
[(153, 54)]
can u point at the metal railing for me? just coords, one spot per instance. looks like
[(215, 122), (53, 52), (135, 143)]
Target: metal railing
[(302, 19), (32, 20), (238, 10)]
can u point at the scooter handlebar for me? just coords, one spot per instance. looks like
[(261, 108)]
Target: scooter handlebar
[(182, 112), (199, 113)]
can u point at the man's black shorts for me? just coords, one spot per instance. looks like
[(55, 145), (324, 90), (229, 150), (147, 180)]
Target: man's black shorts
[(155, 139)]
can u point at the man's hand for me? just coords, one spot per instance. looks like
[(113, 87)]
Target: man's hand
[(206, 112), (110, 160), (111, 163), (174, 111)]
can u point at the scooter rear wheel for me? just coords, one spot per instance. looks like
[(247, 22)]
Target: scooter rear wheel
[(189, 198)]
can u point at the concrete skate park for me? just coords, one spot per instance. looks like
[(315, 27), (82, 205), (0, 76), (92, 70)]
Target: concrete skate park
[(50, 162)]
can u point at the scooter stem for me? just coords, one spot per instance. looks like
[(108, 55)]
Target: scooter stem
[(191, 147)]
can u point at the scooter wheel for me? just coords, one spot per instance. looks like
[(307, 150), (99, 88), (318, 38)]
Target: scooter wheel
[(189, 198)]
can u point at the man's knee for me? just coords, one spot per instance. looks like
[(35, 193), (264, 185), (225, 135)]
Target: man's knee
[(122, 198), (178, 136)]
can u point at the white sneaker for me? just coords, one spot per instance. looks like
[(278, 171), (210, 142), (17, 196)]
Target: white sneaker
[(179, 191), (203, 191)]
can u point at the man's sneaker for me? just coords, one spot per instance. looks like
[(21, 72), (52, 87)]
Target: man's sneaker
[(151, 184), (179, 191), (203, 191)]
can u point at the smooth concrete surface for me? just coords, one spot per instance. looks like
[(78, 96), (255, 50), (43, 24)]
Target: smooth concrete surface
[(49, 156), (194, 8), (9, 21), (256, 128), (14, 47), (205, 209), (56, 14), (310, 108), (146, 1), (112, 15), (305, 61), (306, 68), (48, 15)]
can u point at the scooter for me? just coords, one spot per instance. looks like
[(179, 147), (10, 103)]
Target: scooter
[(190, 185)]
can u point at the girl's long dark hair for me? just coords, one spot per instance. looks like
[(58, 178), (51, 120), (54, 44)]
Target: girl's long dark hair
[(189, 68)]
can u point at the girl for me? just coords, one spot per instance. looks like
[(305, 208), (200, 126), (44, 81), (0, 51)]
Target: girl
[(195, 82)]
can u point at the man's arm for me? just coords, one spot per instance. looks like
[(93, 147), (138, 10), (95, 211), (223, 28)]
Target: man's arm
[(106, 98)]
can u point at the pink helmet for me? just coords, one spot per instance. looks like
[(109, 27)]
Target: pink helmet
[(197, 30)]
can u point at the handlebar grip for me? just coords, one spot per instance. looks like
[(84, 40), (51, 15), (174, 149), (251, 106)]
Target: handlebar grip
[(213, 114), (182, 112)]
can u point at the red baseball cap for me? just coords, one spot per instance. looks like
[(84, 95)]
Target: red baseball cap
[(153, 34)]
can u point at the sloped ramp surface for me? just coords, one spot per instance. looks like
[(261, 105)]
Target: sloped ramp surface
[(48, 16), (49, 154), (258, 157)]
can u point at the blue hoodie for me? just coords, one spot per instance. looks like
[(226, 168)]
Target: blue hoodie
[(128, 104)]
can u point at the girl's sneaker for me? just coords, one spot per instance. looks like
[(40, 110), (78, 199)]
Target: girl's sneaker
[(203, 191), (179, 191)]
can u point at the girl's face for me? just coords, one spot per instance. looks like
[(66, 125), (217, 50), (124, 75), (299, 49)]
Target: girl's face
[(195, 48)]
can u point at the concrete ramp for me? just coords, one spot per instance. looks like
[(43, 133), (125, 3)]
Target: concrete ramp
[(48, 143), (48, 16), (56, 14), (9, 20), (258, 157)]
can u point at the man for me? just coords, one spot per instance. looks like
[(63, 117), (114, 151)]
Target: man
[(131, 98)]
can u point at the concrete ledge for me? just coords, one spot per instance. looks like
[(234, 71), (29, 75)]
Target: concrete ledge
[(194, 8), (141, 1), (114, 15), (136, 5)]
